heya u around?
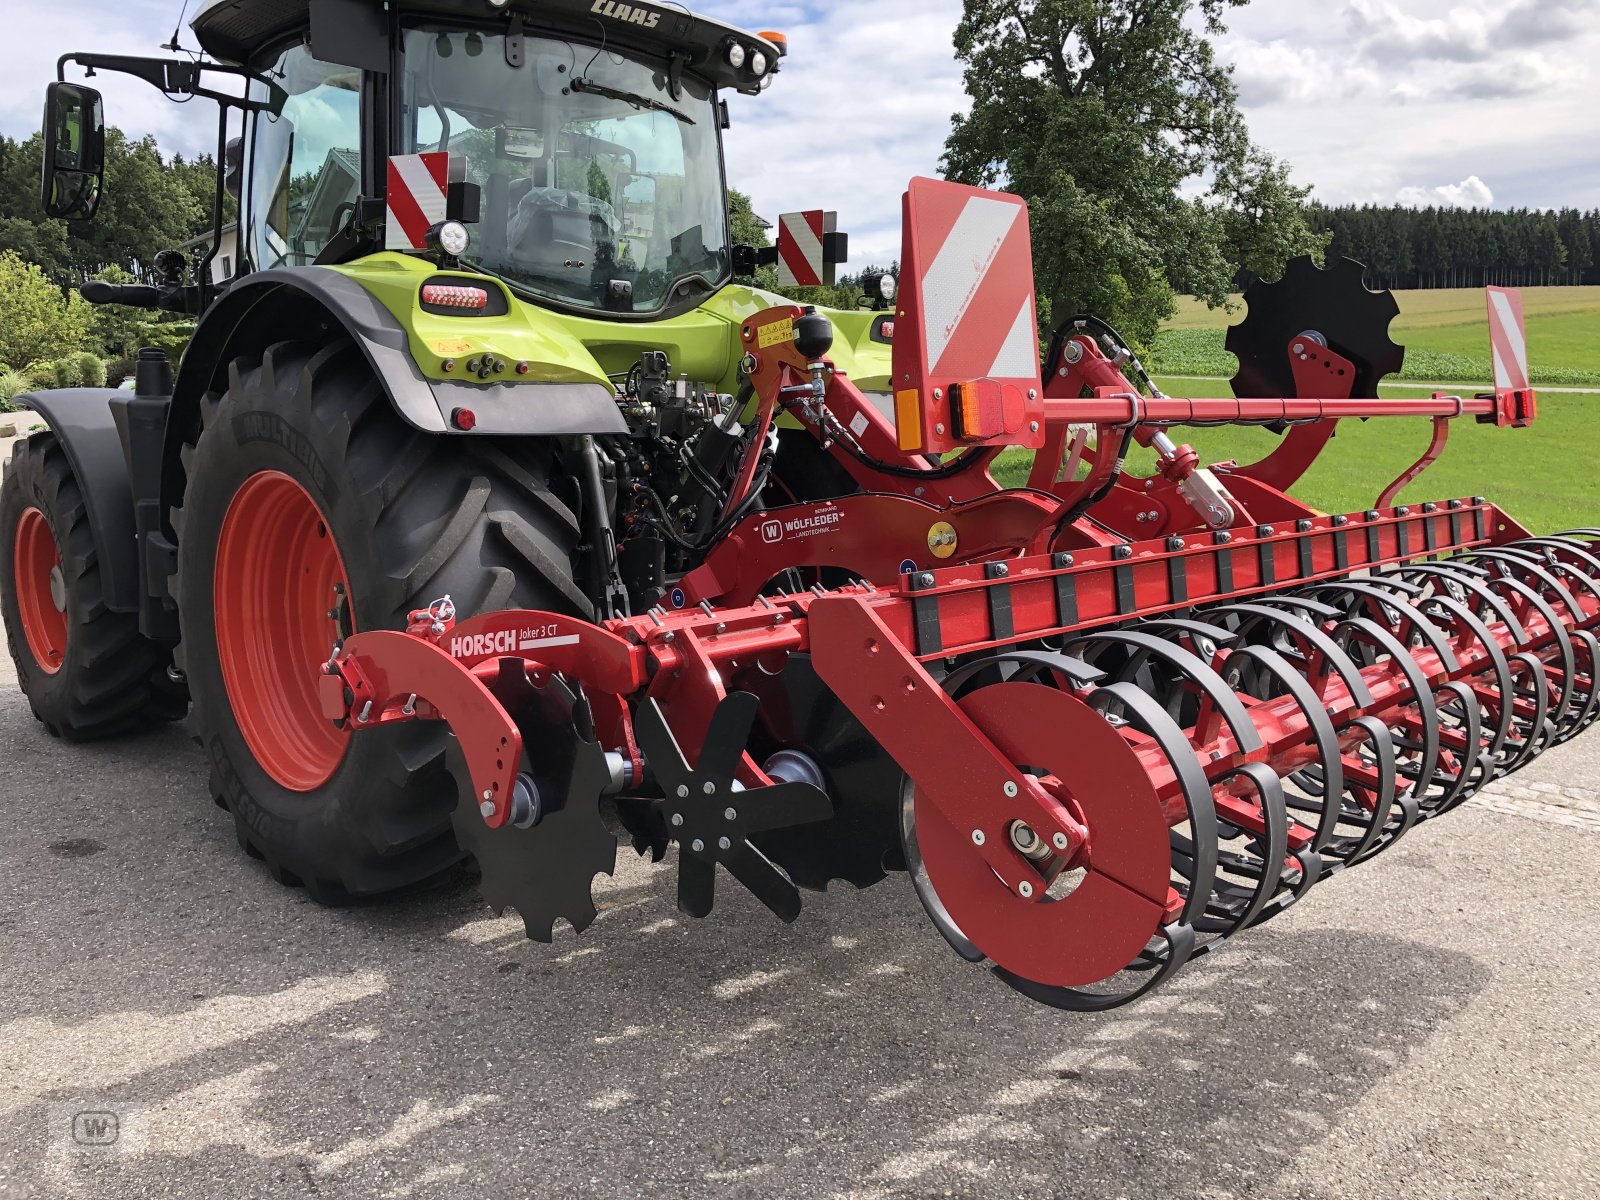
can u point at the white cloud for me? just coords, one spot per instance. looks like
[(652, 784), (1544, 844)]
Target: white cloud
[(1471, 192), (1364, 97)]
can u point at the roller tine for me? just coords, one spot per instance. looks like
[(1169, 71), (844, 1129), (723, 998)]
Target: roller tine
[(727, 735), (1273, 839), (1468, 625), (1322, 730), (1560, 673), (1530, 744), (1384, 791), (1191, 670), (1147, 716), (697, 884), (1378, 638), (1587, 650), (1177, 948), (753, 869), (1455, 790)]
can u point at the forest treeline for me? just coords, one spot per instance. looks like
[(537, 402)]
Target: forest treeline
[(1464, 247)]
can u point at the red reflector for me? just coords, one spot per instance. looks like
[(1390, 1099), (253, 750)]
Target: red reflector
[(449, 295), (887, 330), (463, 418)]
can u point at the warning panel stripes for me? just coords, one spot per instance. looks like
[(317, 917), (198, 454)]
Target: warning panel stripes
[(1507, 339), (800, 258), (416, 198), (977, 295)]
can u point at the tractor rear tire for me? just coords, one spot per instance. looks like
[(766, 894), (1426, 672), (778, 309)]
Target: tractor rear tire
[(303, 477), (87, 671)]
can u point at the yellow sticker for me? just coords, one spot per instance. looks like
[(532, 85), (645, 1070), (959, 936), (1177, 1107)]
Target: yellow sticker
[(776, 333), (445, 347)]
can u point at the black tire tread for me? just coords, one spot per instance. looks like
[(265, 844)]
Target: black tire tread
[(441, 509), (115, 680)]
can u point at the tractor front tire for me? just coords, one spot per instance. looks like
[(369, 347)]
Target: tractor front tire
[(87, 671), (312, 511)]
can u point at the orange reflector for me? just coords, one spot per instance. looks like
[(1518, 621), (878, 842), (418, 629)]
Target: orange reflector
[(780, 40), (908, 418)]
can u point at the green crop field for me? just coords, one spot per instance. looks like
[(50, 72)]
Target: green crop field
[(1541, 475), (1445, 333)]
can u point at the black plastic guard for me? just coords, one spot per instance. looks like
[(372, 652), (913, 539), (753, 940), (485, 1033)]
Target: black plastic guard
[(82, 422), (521, 409)]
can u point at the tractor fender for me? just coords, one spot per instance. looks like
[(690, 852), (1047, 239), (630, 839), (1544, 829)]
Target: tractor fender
[(82, 422), (310, 302)]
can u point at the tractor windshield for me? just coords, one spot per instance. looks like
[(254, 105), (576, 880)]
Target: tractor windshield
[(600, 188)]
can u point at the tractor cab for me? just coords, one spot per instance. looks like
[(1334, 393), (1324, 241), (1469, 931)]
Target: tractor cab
[(583, 138)]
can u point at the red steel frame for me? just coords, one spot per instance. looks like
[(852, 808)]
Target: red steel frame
[(949, 565)]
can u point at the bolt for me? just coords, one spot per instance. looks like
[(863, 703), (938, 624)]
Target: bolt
[(486, 810), (1059, 841), (487, 794), (683, 791), (1025, 890), (925, 579), (1033, 427), (730, 814), (366, 713), (709, 788), (1033, 394), (1010, 788), (724, 844), (939, 429), (668, 637), (938, 394), (977, 837), (697, 845), (677, 820)]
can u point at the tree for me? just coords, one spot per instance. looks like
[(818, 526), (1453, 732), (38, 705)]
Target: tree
[(37, 321), (148, 206), (1107, 116), (747, 230)]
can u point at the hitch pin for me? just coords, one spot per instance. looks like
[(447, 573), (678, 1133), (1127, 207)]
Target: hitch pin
[(410, 706)]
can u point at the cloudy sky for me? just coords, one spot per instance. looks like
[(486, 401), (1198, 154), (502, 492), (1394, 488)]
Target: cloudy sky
[(1459, 101)]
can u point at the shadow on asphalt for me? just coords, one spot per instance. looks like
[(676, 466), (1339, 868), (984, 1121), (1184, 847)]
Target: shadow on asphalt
[(423, 1047)]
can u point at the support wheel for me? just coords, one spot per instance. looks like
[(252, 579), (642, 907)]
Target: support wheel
[(87, 671)]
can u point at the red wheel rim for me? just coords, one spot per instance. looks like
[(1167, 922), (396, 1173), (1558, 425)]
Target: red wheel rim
[(41, 591), (277, 565)]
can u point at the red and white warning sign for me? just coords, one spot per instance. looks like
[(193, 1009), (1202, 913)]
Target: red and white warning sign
[(802, 237), (966, 350), (416, 197), (1508, 339)]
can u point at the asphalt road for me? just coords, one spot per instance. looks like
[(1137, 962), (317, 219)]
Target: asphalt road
[(1422, 1027)]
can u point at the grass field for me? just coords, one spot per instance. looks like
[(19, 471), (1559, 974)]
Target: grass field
[(1445, 333), (1543, 476)]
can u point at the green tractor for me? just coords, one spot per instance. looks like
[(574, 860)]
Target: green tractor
[(481, 244)]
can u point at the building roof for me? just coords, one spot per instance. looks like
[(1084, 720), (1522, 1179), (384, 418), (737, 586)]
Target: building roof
[(204, 239)]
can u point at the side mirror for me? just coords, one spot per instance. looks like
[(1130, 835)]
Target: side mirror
[(74, 151)]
